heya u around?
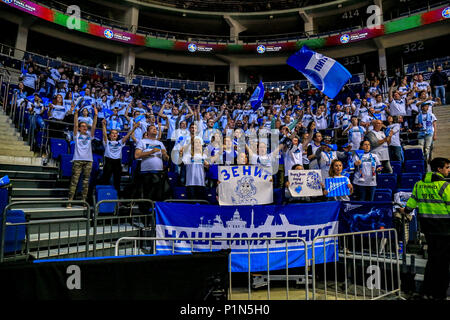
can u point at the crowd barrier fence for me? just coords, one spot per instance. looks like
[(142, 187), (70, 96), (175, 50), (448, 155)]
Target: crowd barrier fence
[(375, 247), (138, 242)]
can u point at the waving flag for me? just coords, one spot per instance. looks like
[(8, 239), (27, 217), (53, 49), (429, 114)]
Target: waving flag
[(326, 74), (257, 96)]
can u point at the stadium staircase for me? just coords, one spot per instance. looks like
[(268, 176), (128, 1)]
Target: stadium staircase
[(33, 182), (442, 144)]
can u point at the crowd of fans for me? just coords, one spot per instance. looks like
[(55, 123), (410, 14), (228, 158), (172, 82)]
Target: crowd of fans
[(187, 134)]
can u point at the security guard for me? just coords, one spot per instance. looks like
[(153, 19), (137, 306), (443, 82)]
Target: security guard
[(431, 197)]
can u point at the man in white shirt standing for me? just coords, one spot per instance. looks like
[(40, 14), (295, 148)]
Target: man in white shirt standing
[(397, 104), (152, 152), (379, 144), (426, 123)]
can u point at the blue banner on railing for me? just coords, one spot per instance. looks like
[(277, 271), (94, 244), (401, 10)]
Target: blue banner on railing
[(206, 221), (356, 216)]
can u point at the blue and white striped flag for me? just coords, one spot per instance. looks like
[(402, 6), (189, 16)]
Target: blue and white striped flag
[(257, 96), (326, 74), (337, 187)]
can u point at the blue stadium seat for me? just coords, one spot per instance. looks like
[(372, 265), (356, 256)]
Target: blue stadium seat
[(383, 195), (396, 167), (180, 193), (14, 235), (57, 147), (387, 181), (66, 165), (105, 192), (408, 180), (413, 154), (414, 166)]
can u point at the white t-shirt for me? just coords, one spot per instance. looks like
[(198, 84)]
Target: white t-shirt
[(325, 162), (424, 85), (88, 120), (153, 162), (397, 107), (195, 170), (58, 112), (313, 163), (355, 136), (395, 140), (382, 150), (113, 149), (292, 157), (365, 174), (321, 121), (83, 147), (427, 122)]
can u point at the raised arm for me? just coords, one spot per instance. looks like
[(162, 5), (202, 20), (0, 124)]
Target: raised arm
[(75, 123), (94, 123), (135, 126), (105, 134), (161, 112)]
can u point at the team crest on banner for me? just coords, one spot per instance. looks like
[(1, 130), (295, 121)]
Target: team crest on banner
[(305, 183), (337, 187), (356, 216), (244, 185), (233, 223)]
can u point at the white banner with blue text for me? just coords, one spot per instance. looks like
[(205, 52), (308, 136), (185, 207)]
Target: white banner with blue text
[(244, 185)]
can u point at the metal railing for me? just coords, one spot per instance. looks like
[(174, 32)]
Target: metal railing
[(139, 242), (38, 228), (130, 223), (79, 233), (374, 247)]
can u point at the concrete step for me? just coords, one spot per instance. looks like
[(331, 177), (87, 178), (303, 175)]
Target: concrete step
[(16, 153), (79, 251), (4, 140), (14, 147), (31, 168), (54, 212), (33, 192), (31, 183), (32, 161), (28, 174), (73, 235), (36, 201)]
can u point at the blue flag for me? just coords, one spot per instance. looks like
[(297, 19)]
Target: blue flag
[(107, 112), (257, 96), (337, 187), (326, 74)]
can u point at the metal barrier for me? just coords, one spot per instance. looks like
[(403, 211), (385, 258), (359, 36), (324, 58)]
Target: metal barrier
[(108, 228), (373, 247), (138, 242), (39, 234)]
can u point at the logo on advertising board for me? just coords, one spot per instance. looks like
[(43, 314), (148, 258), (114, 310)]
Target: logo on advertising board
[(261, 49), (446, 12), (108, 34), (345, 38), (192, 47)]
